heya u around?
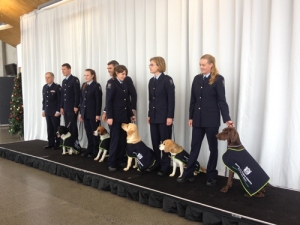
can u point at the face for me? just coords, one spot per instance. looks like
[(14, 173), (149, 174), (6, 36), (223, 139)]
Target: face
[(121, 76), (154, 69), (205, 66), (49, 79), (65, 71), (88, 76), (110, 69)]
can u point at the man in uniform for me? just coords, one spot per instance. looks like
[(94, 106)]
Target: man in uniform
[(51, 108), (70, 100)]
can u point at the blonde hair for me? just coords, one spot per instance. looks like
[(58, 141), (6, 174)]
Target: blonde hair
[(214, 71), (160, 62)]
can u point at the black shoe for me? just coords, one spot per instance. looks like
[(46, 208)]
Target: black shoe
[(162, 173), (185, 179), (56, 147), (211, 182), (84, 154), (123, 165), (91, 156), (48, 147), (112, 169)]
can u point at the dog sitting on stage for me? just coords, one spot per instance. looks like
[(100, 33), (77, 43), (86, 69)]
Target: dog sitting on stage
[(239, 161), (104, 142), (67, 146), (179, 156), (136, 148)]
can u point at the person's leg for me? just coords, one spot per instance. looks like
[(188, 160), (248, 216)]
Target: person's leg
[(50, 131), (113, 150), (211, 171), (155, 138), (89, 134), (56, 123), (165, 133)]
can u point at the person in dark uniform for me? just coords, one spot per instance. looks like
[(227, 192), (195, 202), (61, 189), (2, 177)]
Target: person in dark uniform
[(90, 110), (118, 110), (70, 99), (161, 111), (51, 108), (207, 101), (131, 89)]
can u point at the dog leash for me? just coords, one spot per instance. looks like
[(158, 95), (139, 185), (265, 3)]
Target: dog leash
[(173, 129)]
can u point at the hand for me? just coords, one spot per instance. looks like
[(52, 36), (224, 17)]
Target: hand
[(169, 121), (62, 111), (104, 118), (80, 118), (43, 114), (133, 119), (190, 123), (110, 121), (56, 114), (75, 110), (229, 123), (97, 118), (148, 120), (134, 112)]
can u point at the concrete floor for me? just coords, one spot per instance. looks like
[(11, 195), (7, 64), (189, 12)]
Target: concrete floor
[(31, 196)]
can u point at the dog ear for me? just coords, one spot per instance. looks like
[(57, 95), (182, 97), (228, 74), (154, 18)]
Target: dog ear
[(233, 135)]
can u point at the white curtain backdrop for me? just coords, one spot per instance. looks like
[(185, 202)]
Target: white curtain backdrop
[(256, 45)]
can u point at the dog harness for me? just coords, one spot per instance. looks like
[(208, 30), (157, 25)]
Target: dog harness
[(143, 154), (252, 177), (184, 158)]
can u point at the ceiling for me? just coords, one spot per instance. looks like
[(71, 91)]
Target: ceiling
[(10, 12)]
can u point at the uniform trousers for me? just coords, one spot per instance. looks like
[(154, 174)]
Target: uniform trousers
[(117, 148), (52, 124), (90, 126), (72, 117), (197, 138), (159, 133)]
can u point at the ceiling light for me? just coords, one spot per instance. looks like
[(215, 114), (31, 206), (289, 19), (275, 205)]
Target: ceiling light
[(4, 26), (52, 4)]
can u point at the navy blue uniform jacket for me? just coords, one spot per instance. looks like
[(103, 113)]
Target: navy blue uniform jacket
[(207, 101), (161, 99), (70, 94), (51, 99), (91, 100), (118, 105), (131, 92)]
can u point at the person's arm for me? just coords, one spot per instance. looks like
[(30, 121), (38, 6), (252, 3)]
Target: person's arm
[(170, 87), (43, 104), (58, 95), (76, 89), (98, 96), (192, 104), (220, 87), (132, 92), (110, 94)]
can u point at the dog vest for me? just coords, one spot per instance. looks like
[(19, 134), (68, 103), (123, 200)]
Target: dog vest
[(67, 142), (252, 177), (104, 144), (143, 154), (184, 158)]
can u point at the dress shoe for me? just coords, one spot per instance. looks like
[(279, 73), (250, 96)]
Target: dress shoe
[(112, 169), (91, 156), (48, 147), (123, 165), (56, 147), (85, 154), (162, 173), (211, 182), (185, 179)]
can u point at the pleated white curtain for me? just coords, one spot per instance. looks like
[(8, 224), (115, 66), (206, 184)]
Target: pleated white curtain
[(256, 45)]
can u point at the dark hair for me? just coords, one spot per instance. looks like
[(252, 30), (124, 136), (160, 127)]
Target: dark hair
[(66, 65), (119, 69), (113, 62), (94, 77)]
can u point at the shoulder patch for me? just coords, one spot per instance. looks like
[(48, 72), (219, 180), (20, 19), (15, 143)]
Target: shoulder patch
[(77, 81), (171, 81), (223, 82), (100, 87), (108, 86)]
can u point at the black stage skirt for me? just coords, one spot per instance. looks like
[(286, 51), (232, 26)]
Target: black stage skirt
[(252, 176)]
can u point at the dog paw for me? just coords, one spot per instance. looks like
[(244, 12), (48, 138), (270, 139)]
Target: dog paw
[(224, 189), (171, 175), (126, 169), (101, 160), (134, 167)]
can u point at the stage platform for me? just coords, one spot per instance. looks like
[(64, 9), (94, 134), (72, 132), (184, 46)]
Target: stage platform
[(192, 200)]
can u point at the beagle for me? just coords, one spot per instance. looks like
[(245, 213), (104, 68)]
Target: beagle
[(64, 134), (237, 159), (179, 156), (136, 148), (104, 142)]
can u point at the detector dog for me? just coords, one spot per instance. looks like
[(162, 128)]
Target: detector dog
[(237, 159), (67, 146), (136, 148), (179, 157), (104, 143)]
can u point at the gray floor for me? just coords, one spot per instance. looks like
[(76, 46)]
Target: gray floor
[(31, 196)]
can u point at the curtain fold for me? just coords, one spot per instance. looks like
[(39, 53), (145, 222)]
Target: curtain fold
[(256, 45)]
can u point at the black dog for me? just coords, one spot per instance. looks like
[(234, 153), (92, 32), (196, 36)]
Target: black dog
[(64, 134)]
